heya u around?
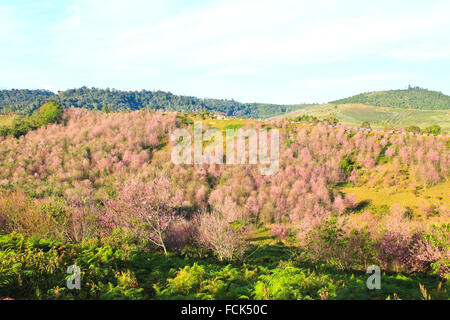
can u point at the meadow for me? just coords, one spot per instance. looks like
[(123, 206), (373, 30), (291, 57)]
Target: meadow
[(99, 190), (6, 120)]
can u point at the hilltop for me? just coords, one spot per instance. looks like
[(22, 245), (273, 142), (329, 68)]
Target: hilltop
[(412, 98)]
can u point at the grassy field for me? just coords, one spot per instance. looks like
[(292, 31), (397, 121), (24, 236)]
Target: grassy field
[(389, 196), (6, 120), (373, 199), (355, 114)]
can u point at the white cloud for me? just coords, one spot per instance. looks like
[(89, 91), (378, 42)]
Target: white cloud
[(243, 49), (242, 32), (233, 70), (423, 51), (8, 26), (72, 22), (267, 31)]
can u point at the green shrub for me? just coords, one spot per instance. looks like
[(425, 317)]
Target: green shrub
[(50, 112), (290, 283), (434, 129), (34, 268)]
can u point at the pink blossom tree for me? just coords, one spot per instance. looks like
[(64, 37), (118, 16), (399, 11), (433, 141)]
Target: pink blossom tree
[(147, 210), (215, 233)]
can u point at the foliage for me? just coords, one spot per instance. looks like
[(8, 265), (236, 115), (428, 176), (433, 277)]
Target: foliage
[(23, 100), (37, 269), (434, 129), (26, 101), (50, 112), (220, 236), (366, 125), (146, 210), (102, 185), (412, 98)]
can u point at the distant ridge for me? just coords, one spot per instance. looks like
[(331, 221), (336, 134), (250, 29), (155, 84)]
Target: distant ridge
[(25, 101), (411, 98)]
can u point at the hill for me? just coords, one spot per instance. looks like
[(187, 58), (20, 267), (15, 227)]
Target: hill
[(378, 117), (101, 189), (26, 101), (412, 98)]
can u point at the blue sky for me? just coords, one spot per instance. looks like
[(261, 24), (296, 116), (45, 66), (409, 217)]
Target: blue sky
[(250, 50)]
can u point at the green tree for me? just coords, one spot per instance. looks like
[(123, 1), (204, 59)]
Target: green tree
[(4, 131), (415, 129), (50, 112), (21, 126), (365, 124), (434, 129)]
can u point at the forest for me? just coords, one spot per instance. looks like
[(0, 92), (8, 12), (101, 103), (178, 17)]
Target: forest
[(412, 98), (26, 101)]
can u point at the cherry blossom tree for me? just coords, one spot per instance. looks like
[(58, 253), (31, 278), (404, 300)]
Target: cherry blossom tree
[(147, 210)]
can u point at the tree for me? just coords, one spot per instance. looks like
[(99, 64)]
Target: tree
[(4, 131), (411, 98), (220, 236), (146, 210), (50, 112), (434, 129), (414, 129), (365, 124), (21, 126)]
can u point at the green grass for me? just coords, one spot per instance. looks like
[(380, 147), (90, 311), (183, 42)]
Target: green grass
[(6, 120), (378, 117)]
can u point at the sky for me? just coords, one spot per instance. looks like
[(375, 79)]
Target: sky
[(278, 51)]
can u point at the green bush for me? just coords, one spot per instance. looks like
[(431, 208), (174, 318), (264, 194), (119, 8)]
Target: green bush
[(50, 112), (434, 129)]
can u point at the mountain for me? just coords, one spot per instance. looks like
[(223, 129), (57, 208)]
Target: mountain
[(25, 101), (411, 98)]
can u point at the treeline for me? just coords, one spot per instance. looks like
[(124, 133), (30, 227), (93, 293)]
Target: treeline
[(313, 119), (412, 98), (433, 129), (27, 101), (23, 100)]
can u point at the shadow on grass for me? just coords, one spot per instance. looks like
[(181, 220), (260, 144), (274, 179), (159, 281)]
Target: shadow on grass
[(262, 238), (363, 205)]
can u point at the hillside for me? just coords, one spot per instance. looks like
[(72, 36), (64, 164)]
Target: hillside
[(26, 101), (412, 98), (378, 117), (101, 189)]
